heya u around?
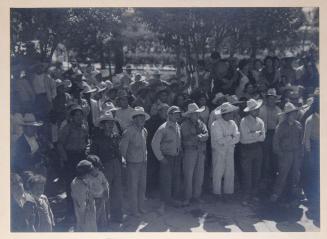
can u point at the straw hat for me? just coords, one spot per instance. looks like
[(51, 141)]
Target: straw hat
[(288, 108), (29, 120), (252, 104), (60, 83), (138, 110), (174, 109), (233, 99), (193, 108), (102, 86), (87, 89), (226, 108), (106, 116)]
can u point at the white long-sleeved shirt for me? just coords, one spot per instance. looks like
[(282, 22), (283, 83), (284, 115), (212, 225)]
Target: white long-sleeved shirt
[(224, 133), (252, 130)]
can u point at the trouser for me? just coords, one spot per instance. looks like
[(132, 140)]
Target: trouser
[(69, 173), (251, 167), (289, 164), (101, 214), (269, 164), (193, 170), (153, 169), (136, 185), (113, 173), (170, 178), (223, 167)]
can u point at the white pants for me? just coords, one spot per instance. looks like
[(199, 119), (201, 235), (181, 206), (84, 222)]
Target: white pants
[(223, 167)]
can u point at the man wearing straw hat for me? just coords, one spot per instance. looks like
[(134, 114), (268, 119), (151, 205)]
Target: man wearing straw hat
[(194, 137), (134, 151), (106, 146), (252, 131), (224, 136), (124, 114), (288, 146), (269, 113)]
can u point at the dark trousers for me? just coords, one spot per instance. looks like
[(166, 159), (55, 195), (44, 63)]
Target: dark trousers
[(69, 173), (113, 173), (152, 174), (289, 165), (311, 174), (251, 162), (136, 185), (170, 178), (269, 164)]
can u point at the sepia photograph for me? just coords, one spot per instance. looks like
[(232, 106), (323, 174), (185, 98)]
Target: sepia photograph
[(162, 119)]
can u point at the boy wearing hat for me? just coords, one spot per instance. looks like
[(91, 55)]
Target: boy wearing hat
[(224, 136), (106, 146), (287, 145), (134, 151), (83, 198), (166, 145), (194, 137), (269, 113), (72, 142), (253, 132)]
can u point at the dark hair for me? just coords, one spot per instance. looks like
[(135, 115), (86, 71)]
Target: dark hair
[(268, 58), (215, 55), (243, 63), (34, 180), (95, 160)]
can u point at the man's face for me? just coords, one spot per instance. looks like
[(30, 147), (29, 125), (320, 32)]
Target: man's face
[(77, 117), (194, 116), (29, 131), (174, 117), (163, 113), (108, 125), (139, 120), (228, 116), (271, 101), (123, 101), (163, 97), (255, 113)]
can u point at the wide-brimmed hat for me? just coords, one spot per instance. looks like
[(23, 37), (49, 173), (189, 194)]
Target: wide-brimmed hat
[(272, 92), (29, 120), (252, 104), (105, 116), (87, 89), (138, 110), (193, 108), (95, 160), (84, 167), (217, 97), (109, 106), (174, 109), (288, 108), (225, 108)]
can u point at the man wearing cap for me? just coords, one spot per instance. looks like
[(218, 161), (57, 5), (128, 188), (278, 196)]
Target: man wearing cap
[(194, 137), (153, 164), (124, 114), (269, 113), (72, 142), (224, 136), (106, 146), (287, 145), (253, 132), (166, 145), (134, 151), (27, 149)]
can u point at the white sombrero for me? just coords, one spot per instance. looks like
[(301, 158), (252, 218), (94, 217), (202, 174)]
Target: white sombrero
[(252, 104)]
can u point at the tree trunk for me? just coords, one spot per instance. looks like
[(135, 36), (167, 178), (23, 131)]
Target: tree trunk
[(118, 56)]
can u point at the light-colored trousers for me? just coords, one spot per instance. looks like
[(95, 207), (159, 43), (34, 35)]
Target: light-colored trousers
[(223, 167), (193, 170)]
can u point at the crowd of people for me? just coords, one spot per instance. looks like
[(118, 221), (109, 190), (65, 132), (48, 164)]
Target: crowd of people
[(242, 126)]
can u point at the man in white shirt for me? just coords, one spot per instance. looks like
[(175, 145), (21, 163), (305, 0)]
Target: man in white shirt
[(252, 134), (224, 136)]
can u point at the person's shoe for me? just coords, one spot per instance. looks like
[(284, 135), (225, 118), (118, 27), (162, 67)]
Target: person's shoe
[(273, 198)]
